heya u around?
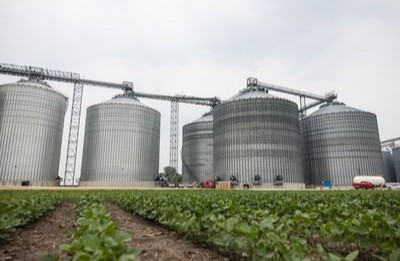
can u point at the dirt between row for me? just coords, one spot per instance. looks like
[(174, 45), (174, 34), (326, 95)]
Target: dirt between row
[(41, 238), (156, 242), (45, 236)]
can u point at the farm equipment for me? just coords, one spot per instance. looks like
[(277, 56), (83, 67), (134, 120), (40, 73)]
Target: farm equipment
[(161, 182), (257, 180), (278, 181), (327, 184), (233, 180)]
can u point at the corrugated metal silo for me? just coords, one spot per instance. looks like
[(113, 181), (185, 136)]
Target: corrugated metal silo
[(388, 168), (31, 126), (396, 162), (256, 133), (122, 144), (341, 142), (197, 150)]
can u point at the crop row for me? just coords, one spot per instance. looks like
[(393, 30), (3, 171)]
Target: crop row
[(19, 209), (279, 225), (97, 236)]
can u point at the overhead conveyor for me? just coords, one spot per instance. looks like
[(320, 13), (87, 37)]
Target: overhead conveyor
[(39, 73), (319, 99)]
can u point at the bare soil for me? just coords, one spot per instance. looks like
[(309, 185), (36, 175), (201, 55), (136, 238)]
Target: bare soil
[(156, 242), (41, 238)]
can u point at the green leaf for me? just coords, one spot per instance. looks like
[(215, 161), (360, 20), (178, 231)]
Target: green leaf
[(352, 256), (320, 249), (333, 257), (131, 257), (82, 256), (395, 256), (123, 237), (389, 246)]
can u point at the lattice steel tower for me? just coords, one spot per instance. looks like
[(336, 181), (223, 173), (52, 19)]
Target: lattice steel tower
[(174, 135), (72, 149)]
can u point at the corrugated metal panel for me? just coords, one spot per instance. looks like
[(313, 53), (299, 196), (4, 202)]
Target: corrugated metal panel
[(31, 127), (257, 134), (341, 143), (197, 150), (388, 168), (396, 163), (122, 142)]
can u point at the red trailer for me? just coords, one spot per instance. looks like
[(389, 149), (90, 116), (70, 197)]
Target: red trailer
[(363, 185), (210, 184)]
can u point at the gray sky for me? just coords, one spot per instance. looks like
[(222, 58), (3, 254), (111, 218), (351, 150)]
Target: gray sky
[(209, 48)]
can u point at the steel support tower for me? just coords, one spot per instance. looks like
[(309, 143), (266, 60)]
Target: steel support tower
[(174, 117), (174, 123), (174, 135), (72, 147)]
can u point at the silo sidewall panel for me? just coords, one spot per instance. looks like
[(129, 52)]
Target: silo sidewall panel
[(31, 126), (340, 146), (122, 143), (258, 137), (396, 163), (197, 151), (388, 166)]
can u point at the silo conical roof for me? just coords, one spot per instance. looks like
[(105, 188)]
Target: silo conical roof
[(251, 93), (125, 99), (206, 117), (333, 107), (34, 83)]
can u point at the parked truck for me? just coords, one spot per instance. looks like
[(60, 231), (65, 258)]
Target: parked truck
[(368, 182)]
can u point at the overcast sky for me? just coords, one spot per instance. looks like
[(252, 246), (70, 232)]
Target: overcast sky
[(209, 48)]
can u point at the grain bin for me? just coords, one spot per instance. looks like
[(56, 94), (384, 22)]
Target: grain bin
[(197, 150), (31, 126), (388, 168), (340, 143), (396, 162), (256, 133), (122, 144)]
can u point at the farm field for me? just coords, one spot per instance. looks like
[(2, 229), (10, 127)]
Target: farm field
[(204, 225)]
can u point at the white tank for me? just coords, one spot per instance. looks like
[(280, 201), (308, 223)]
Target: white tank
[(377, 181)]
